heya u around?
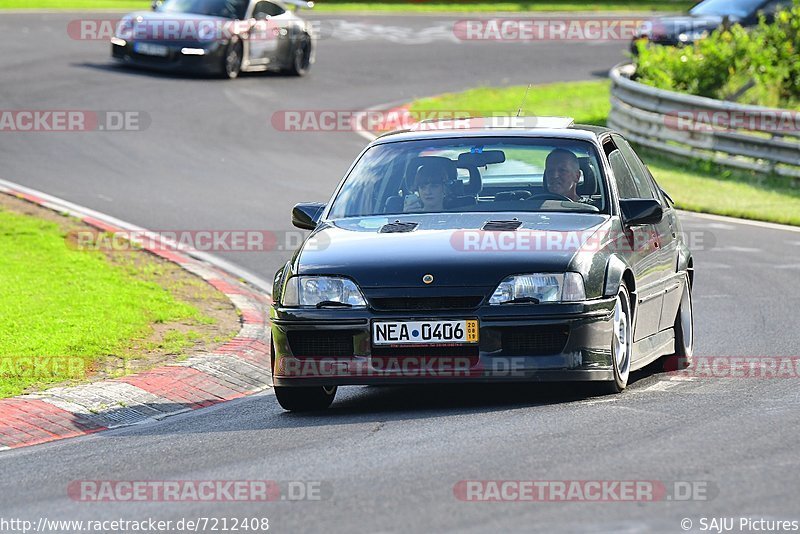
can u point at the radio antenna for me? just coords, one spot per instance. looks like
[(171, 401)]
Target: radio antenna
[(524, 98)]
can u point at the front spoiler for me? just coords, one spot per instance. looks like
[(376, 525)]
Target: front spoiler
[(586, 355), (593, 375)]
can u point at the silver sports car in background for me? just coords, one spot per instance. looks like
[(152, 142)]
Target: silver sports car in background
[(223, 37)]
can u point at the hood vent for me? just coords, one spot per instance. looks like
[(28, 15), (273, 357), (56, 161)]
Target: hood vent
[(398, 227), (501, 226)]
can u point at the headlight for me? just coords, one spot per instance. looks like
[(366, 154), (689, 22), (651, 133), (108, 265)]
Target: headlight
[(693, 36), (207, 30), (540, 287), (319, 291), (124, 29)]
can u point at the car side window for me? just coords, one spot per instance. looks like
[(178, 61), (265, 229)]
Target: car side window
[(639, 172), (626, 188), (770, 8), (267, 8)]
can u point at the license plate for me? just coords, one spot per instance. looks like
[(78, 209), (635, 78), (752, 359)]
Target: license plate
[(460, 332), (149, 49)]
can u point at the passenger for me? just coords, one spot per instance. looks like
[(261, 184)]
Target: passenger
[(429, 190)]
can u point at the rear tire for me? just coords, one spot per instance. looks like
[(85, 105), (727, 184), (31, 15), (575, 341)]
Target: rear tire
[(301, 58), (305, 399), (684, 334)]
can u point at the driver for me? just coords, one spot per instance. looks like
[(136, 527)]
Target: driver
[(562, 172)]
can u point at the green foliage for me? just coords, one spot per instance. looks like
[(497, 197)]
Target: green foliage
[(757, 66), (694, 184)]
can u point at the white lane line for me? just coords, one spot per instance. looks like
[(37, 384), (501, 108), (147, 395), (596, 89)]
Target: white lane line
[(659, 386), (61, 205), (682, 378), (598, 401), (721, 226), (733, 248), (745, 222), (350, 31), (369, 136), (788, 266)]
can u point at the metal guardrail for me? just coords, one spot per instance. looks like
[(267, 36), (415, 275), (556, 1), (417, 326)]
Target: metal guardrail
[(698, 127)]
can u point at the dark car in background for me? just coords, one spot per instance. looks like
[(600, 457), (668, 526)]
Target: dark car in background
[(704, 18), (223, 37), (505, 280)]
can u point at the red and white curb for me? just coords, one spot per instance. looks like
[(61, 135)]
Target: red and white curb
[(239, 367)]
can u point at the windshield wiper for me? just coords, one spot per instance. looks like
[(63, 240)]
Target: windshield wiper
[(333, 304)]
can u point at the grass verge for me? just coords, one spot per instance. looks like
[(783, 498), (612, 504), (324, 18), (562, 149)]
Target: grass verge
[(398, 6), (695, 186), (70, 315)]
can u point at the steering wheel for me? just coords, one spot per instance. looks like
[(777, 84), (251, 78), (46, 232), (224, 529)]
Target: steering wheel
[(550, 196)]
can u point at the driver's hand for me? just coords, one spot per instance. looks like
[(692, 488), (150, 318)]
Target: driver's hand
[(412, 203)]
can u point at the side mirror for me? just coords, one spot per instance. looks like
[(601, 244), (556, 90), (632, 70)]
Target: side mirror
[(156, 4), (639, 211), (306, 215)]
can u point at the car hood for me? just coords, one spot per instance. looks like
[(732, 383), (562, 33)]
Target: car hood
[(179, 27), (451, 248)]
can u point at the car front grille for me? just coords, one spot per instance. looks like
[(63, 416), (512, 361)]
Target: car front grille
[(426, 303), (322, 344), (534, 340)]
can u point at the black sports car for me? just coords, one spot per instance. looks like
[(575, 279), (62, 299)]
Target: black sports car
[(490, 252), (217, 37), (704, 18)]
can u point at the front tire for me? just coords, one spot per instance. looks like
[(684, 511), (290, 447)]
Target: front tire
[(305, 399), (232, 60), (621, 343)]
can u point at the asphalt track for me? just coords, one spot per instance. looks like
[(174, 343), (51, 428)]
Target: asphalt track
[(389, 459)]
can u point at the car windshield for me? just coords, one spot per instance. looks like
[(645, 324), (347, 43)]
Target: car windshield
[(475, 174), (733, 8), (229, 9)]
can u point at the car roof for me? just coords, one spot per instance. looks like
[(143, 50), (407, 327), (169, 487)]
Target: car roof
[(444, 130)]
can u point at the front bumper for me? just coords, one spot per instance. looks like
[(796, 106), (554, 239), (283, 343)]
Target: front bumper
[(517, 343), (175, 61)]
